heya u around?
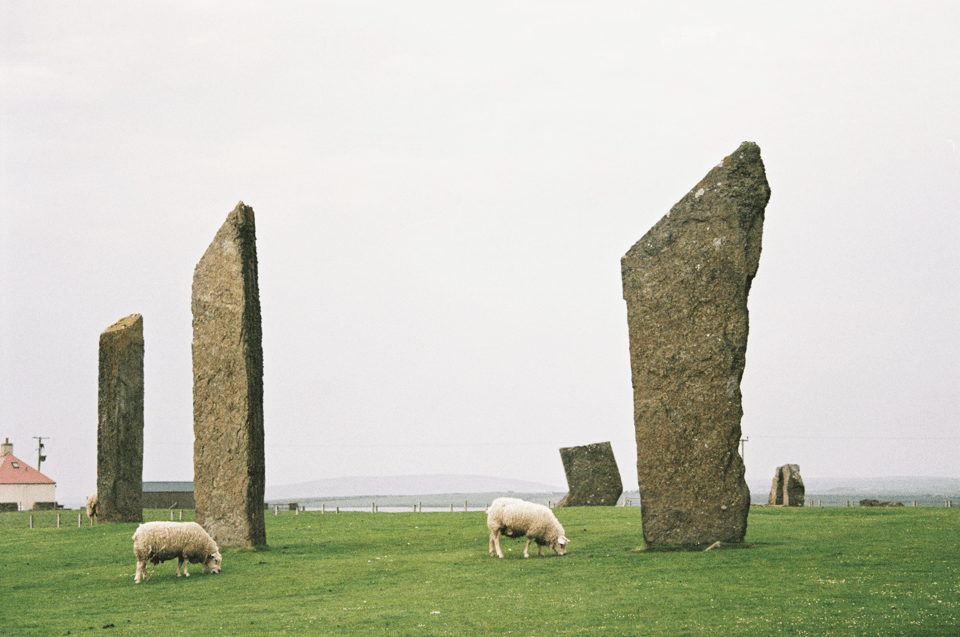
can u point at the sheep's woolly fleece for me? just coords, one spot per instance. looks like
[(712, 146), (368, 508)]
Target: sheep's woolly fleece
[(92, 507), (185, 541), (515, 518)]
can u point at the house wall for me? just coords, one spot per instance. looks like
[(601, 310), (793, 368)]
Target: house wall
[(168, 500), (26, 494)]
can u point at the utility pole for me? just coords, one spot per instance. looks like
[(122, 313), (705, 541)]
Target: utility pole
[(40, 456), (743, 446)]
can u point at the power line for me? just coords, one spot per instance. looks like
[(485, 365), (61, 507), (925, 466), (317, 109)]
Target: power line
[(853, 438)]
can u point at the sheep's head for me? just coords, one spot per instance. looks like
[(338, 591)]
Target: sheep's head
[(560, 545), (213, 562)]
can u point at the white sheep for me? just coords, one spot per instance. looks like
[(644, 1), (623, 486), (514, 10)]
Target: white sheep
[(515, 518), (92, 507), (161, 541)]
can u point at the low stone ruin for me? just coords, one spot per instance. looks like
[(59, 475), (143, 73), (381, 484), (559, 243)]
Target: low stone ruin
[(879, 503), (787, 489), (592, 476)]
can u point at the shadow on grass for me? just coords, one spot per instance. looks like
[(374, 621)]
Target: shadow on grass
[(692, 548)]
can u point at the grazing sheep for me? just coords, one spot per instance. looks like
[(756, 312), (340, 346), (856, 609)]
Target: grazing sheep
[(161, 541), (516, 518), (92, 507)]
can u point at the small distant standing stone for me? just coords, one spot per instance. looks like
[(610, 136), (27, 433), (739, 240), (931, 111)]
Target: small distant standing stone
[(592, 476), (787, 489), (228, 455), (686, 284), (120, 422)]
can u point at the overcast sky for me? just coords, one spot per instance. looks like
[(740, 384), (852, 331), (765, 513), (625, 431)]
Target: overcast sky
[(443, 192)]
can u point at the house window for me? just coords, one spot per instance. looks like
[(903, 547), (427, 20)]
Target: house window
[(16, 465)]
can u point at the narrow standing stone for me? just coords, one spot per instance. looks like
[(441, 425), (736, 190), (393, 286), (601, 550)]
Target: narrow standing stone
[(228, 457), (120, 422), (592, 476), (686, 284)]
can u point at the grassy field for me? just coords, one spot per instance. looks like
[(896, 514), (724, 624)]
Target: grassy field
[(801, 572)]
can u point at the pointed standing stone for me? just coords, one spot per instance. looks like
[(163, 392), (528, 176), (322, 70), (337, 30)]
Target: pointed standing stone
[(592, 476), (228, 456), (686, 284), (120, 422)]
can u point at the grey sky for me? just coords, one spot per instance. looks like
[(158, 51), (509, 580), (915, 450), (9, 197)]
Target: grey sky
[(443, 193)]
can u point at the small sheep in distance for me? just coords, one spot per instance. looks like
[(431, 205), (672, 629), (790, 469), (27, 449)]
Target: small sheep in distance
[(161, 541), (515, 518), (92, 507)]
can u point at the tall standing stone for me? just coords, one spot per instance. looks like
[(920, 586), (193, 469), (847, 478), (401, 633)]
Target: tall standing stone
[(787, 489), (686, 284), (228, 457), (120, 422), (592, 476)]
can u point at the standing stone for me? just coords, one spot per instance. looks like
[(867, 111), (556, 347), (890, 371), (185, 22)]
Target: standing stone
[(686, 284), (592, 476), (787, 489), (228, 460), (120, 422)]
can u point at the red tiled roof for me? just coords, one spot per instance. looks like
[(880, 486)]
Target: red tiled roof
[(21, 474)]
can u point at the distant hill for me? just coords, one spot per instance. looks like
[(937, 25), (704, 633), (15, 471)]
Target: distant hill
[(405, 485), (893, 485)]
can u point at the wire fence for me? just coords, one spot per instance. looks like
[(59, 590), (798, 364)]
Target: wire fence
[(78, 519)]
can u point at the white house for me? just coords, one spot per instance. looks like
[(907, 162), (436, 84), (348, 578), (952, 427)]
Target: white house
[(20, 483)]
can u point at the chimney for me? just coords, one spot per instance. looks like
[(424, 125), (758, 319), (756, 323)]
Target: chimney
[(6, 448)]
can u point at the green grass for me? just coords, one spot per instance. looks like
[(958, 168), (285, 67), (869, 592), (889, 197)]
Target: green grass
[(801, 572)]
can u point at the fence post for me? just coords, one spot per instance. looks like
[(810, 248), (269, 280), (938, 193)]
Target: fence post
[(373, 508), (78, 520), (464, 506), (323, 508), (420, 506), (58, 520), (31, 520), (338, 509), (276, 510), (181, 515)]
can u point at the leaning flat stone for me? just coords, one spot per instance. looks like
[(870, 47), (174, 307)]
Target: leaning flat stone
[(686, 284), (592, 476), (228, 456)]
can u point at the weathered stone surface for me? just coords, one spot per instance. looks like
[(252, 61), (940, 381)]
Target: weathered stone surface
[(120, 421), (787, 489), (228, 456), (686, 284), (592, 476)]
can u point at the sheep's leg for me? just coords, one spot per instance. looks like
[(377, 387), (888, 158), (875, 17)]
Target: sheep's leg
[(182, 561), (141, 572), (539, 550), (526, 548), (495, 542)]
